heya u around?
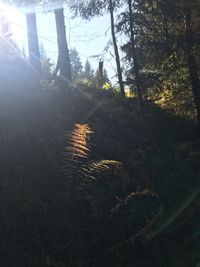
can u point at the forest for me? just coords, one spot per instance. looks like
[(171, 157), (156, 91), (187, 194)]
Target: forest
[(98, 170)]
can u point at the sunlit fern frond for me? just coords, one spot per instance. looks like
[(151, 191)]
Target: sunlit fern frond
[(101, 166), (77, 146), (76, 165)]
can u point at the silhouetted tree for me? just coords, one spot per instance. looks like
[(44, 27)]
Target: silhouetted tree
[(33, 43), (88, 72), (32, 33), (63, 62), (76, 65)]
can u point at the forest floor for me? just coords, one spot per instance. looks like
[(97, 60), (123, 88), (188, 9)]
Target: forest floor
[(158, 150)]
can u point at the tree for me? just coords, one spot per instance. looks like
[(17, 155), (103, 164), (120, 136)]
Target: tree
[(99, 75), (185, 36), (166, 43), (46, 64), (88, 73), (33, 43), (105, 76), (102, 76), (119, 72), (192, 65), (133, 52), (76, 65), (63, 62), (89, 9), (32, 34)]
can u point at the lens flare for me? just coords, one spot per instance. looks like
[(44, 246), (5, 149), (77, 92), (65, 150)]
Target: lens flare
[(14, 20)]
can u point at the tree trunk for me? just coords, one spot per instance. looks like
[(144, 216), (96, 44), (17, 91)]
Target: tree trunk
[(119, 72), (192, 65), (63, 62), (100, 74), (33, 43), (135, 61)]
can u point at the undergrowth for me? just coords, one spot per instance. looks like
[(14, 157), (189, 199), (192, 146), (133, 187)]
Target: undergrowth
[(88, 180)]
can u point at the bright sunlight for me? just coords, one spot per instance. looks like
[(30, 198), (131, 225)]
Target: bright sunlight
[(14, 17)]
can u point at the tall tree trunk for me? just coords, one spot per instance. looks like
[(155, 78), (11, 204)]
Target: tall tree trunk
[(119, 72), (134, 57), (33, 43), (192, 65), (100, 74), (63, 62)]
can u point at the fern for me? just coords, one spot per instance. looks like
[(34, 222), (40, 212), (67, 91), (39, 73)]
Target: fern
[(101, 166), (77, 152), (99, 193), (77, 146), (138, 194)]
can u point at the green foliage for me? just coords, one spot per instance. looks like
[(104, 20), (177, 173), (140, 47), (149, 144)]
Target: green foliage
[(161, 48), (106, 86), (87, 76), (174, 92), (45, 63), (102, 80), (88, 73), (89, 9), (76, 65)]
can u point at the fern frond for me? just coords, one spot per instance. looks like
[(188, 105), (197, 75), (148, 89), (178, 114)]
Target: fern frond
[(76, 165), (101, 166), (77, 146)]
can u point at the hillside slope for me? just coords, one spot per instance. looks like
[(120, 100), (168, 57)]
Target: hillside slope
[(43, 225)]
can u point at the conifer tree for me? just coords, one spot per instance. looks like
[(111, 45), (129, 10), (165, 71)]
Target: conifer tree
[(76, 65), (89, 9)]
